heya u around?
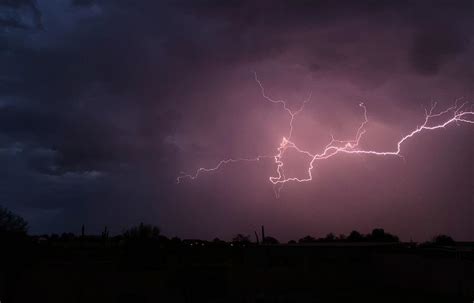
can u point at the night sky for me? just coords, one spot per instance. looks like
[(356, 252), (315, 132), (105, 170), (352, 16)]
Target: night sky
[(104, 103)]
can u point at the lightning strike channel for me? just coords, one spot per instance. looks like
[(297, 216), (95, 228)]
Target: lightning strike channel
[(455, 114)]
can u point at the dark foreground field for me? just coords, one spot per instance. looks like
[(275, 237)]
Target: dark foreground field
[(218, 272)]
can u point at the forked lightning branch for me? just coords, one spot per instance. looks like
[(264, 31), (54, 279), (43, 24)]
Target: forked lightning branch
[(454, 115)]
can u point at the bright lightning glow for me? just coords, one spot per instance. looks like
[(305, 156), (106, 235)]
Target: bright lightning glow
[(455, 114)]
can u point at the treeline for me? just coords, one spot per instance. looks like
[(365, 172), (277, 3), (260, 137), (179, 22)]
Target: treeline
[(377, 235), (13, 226)]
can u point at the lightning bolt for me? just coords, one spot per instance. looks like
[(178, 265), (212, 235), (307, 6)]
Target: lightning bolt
[(455, 114)]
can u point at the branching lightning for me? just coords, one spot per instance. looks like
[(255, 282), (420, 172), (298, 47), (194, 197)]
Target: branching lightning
[(455, 114)]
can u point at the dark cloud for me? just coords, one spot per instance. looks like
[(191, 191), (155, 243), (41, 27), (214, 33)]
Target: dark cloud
[(22, 14), (435, 47), (83, 2)]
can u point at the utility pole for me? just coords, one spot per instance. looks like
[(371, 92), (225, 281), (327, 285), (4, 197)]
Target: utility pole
[(256, 236)]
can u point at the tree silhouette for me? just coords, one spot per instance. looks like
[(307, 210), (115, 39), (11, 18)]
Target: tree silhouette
[(270, 240), (307, 239), (379, 235), (329, 237), (12, 223), (355, 236), (142, 232), (443, 240)]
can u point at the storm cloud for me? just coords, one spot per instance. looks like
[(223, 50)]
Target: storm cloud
[(103, 103)]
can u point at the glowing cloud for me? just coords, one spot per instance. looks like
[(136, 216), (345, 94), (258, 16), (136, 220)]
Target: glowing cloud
[(454, 114)]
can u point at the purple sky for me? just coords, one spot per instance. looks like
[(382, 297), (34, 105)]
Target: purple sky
[(103, 103)]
